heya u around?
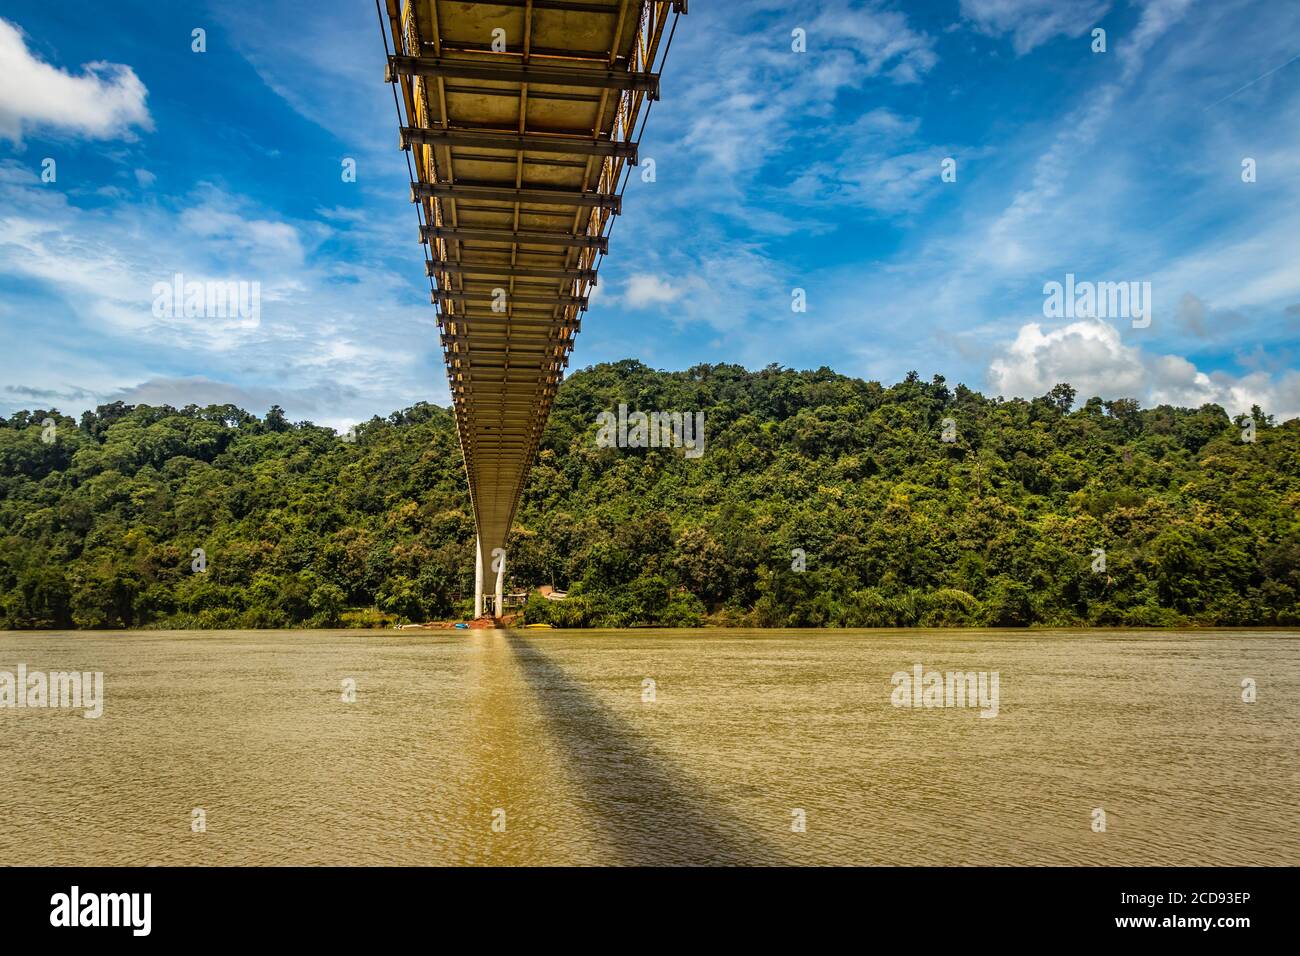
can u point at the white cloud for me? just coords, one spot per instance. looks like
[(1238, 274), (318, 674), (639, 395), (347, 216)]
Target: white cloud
[(745, 97), (341, 334), (1091, 356), (882, 38), (104, 263), (644, 289), (876, 162), (217, 219), (313, 64), (1012, 242), (1117, 184), (728, 290), (104, 102), (712, 225), (1032, 23)]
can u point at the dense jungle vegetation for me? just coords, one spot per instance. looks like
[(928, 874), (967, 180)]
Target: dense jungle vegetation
[(300, 527)]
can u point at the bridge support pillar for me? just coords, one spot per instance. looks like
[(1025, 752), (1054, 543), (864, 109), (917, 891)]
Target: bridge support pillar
[(501, 583), (478, 578)]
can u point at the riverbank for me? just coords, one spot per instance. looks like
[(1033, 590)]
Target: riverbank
[(485, 623)]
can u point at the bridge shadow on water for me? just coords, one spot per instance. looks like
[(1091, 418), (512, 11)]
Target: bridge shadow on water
[(650, 813)]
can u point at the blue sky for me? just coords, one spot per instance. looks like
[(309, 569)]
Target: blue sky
[(775, 170)]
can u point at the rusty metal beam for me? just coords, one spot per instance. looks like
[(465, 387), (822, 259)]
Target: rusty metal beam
[(514, 237), (530, 142), (506, 269), (535, 196), (498, 69), (486, 296)]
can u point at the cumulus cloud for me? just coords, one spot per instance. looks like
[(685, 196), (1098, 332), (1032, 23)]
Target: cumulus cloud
[(1091, 356), (105, 101)]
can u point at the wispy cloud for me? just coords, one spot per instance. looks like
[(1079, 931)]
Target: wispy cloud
[(776, 170), (334, 337), (1032, 23)]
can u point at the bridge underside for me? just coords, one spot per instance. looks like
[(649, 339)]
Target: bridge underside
[(520, 120)]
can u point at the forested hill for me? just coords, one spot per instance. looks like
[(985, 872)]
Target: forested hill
[(1001, 525)]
